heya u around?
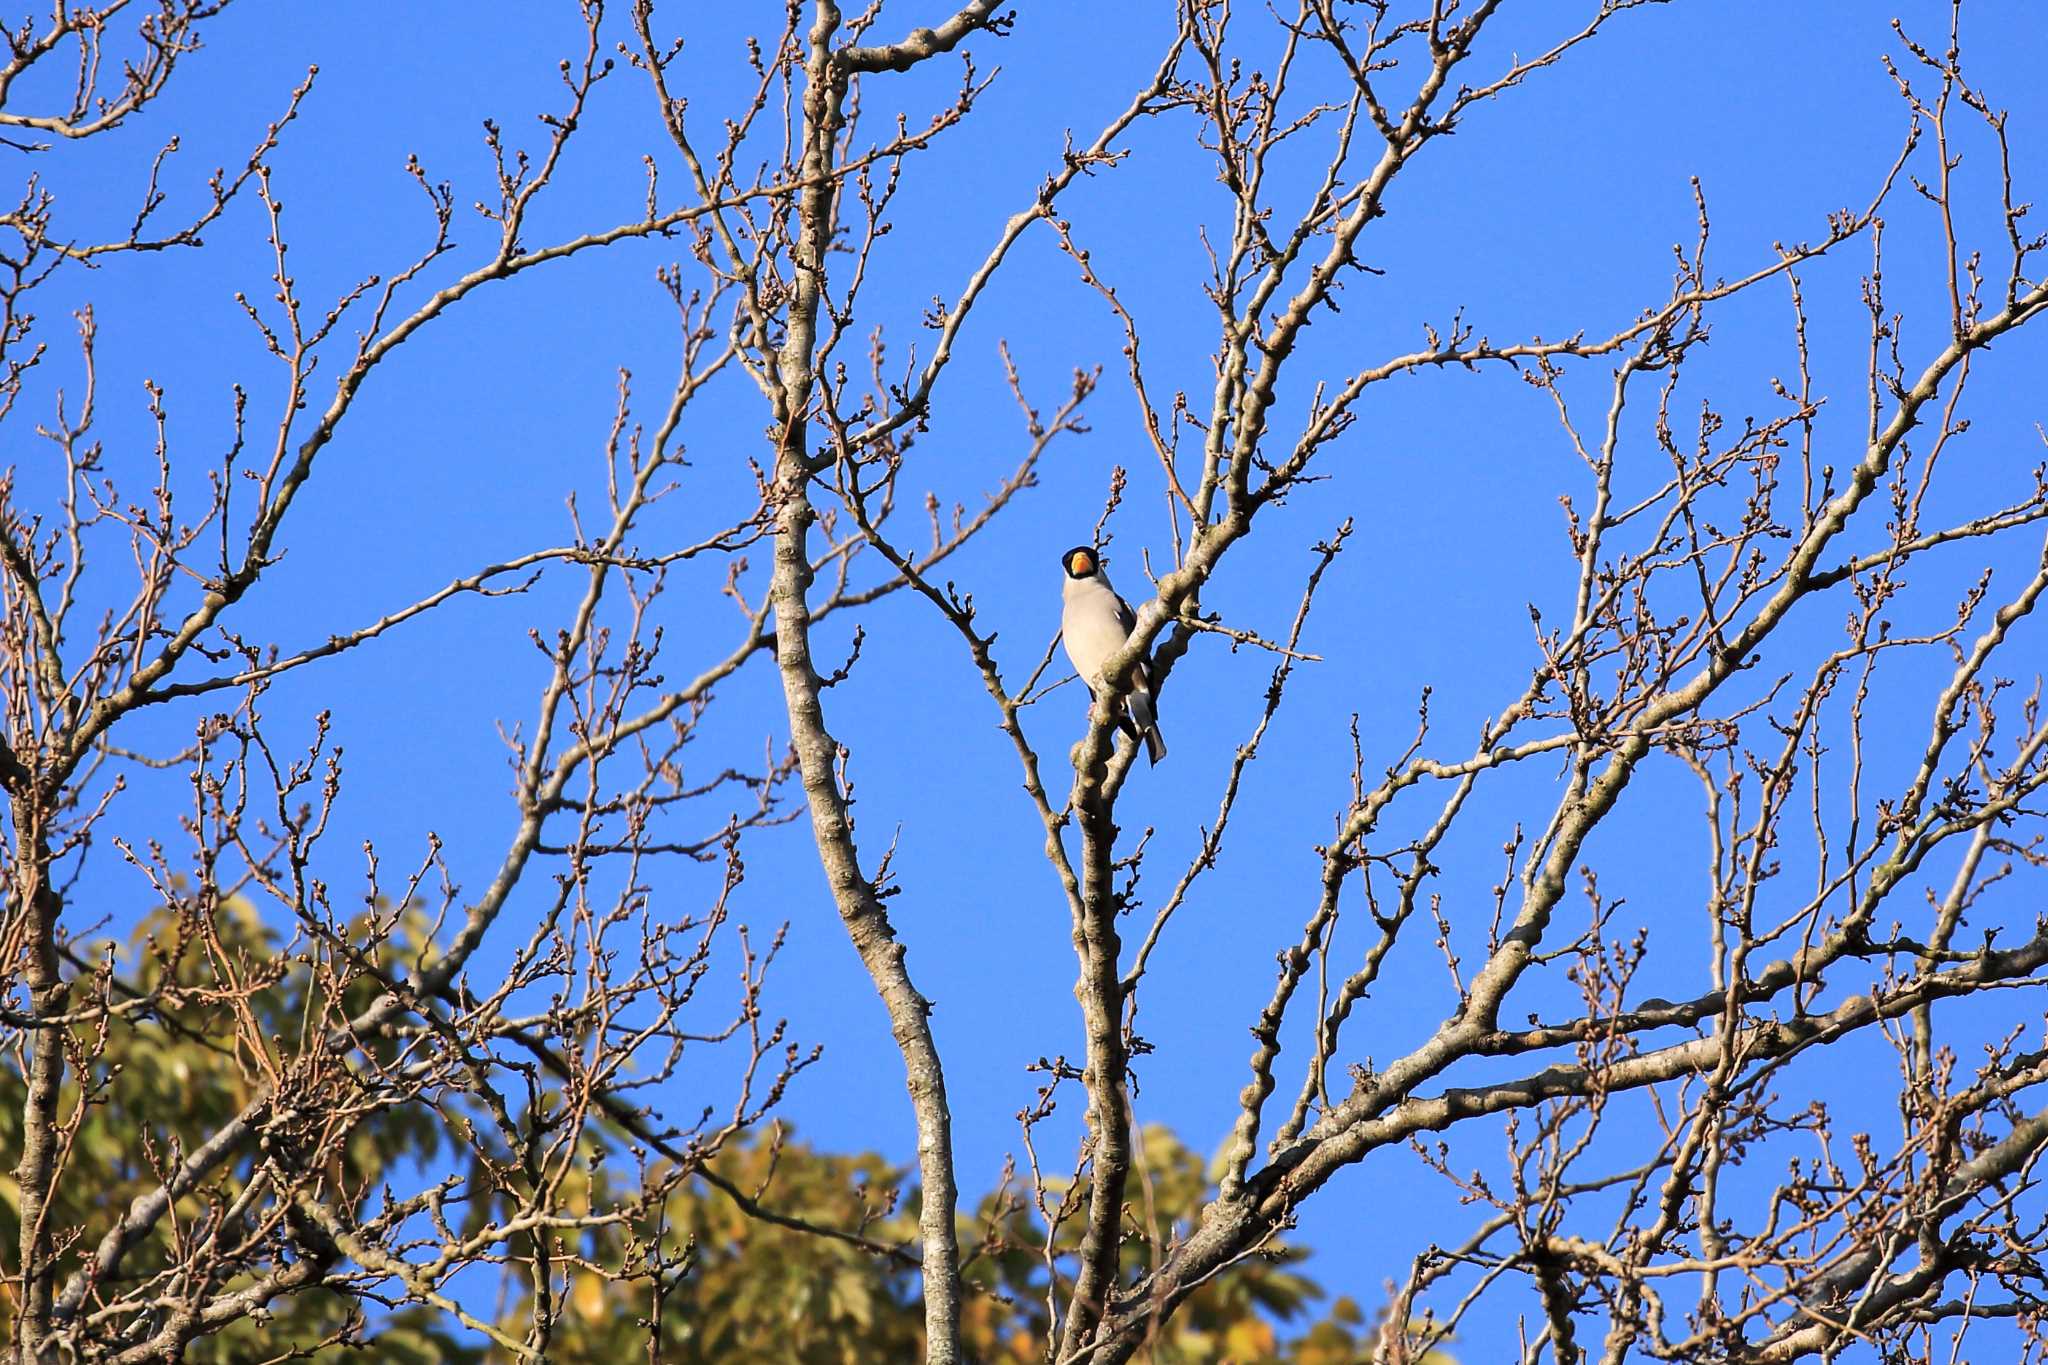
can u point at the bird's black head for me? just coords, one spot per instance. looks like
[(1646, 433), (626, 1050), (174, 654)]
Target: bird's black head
[(1080, 562)]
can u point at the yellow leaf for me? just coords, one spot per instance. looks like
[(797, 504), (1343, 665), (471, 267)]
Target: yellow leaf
[(589, 1297), (1249, 1339)]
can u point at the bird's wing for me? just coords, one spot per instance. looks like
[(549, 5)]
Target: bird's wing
[(1141, 674)]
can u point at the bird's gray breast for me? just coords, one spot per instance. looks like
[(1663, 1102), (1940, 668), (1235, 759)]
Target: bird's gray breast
[(1090, 625)]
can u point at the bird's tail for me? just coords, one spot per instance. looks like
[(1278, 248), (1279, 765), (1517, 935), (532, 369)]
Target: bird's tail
[(1147, 722)]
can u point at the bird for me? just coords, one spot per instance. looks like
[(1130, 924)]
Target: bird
[(1094, 624)]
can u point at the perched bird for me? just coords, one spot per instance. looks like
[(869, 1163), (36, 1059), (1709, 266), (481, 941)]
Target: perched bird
[(1095, 623)]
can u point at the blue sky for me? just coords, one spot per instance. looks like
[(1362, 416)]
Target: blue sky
[(1551, 210)]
